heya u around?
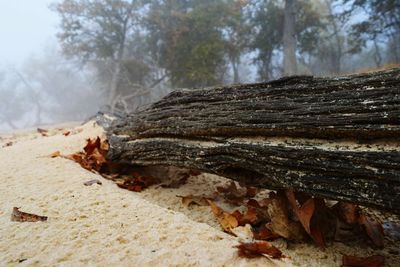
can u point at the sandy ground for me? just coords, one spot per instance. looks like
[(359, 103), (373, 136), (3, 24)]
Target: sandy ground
[(103, 225)]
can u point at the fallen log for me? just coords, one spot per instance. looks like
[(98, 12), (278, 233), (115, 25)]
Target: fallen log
[(337, 137)]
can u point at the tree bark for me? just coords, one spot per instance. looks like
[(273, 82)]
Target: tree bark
[(332, 137)]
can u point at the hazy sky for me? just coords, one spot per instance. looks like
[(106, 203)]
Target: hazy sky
[(26, 26)]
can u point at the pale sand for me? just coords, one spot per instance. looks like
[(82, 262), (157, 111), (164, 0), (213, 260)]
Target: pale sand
[(103, 225)]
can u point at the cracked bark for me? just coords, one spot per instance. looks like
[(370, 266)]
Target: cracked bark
[(332, 137)]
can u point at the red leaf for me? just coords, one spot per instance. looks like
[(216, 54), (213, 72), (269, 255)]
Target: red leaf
[(305, 213), (263, 233), (347, 212), (137, 183), (253, 203), (372, 261), (251, 191), (55, 154), (258, 249), (250, 217), (226, 220), (43, 132), (91, 145), (373, 229), (8, 144), (20, 216)]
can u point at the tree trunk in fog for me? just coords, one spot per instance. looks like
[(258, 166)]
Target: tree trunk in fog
[(331, 137), (114, 84), (289, 39), (118, 62), (337, 52), (235, 66)]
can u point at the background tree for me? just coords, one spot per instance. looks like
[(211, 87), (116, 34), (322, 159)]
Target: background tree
[(98, 31), (12, 107), (236, 32), (185, 38), (56, 81), (267, 18), (379, 27), (289, 38)]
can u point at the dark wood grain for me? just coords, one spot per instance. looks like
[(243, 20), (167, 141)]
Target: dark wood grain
[(332, 137)]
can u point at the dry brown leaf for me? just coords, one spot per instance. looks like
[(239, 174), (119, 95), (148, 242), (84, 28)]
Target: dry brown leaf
[(8, 144), (345, 232), (191, 199), (66, 133), (244, 233), (258, 249), (280, 223), (43, 132), (226, 220), (347, 212), (20, 216), (94, 156), (137, 183), (373, 229), (304, 213), (91, 182), (250, 217), (262, 211), (263, 233), (251, 191), (55, 154), (371, 261)]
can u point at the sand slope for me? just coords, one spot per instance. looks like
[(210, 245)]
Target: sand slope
[(103, 225)]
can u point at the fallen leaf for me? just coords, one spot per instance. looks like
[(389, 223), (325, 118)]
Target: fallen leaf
[(191, 199), (67, 133), (251, 191), (346, 232), (91, 182), (94, 156), (347, 212), (250, 217), (263, 233), (91, 145), (20, 216), (226, 220), (254, 203), (8, 144), (262, 211), (280, 223), (43, 132), (137, 183), (304, 213), (244, 233), (373, 229), (55, 154), (258, 249), (371, 261)]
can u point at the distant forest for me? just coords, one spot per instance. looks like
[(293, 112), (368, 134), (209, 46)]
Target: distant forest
[(121, 55)]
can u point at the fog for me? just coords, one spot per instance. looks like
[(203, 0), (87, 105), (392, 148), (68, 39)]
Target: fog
[(65, 60)]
